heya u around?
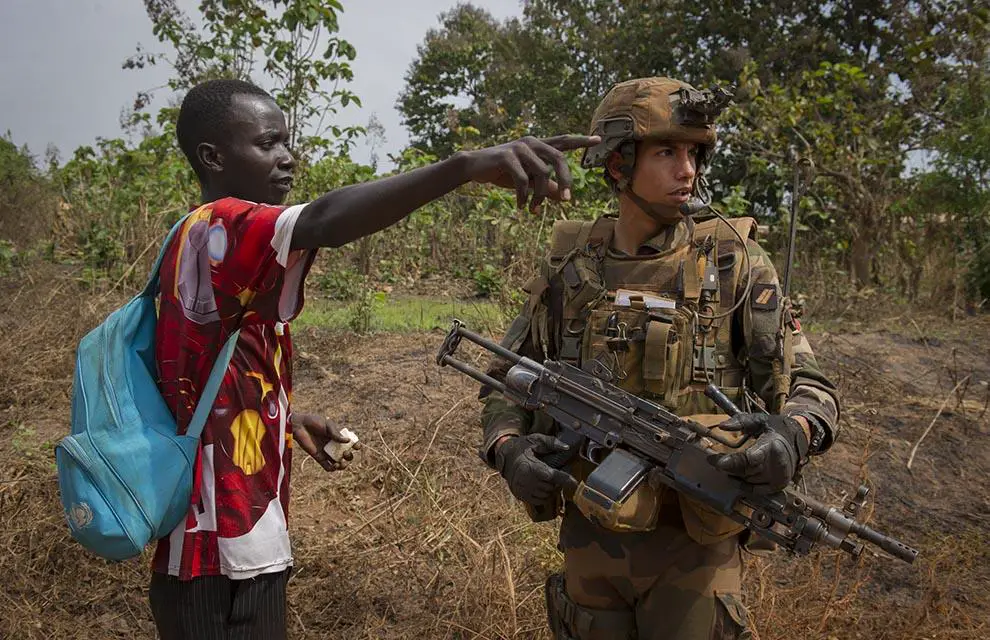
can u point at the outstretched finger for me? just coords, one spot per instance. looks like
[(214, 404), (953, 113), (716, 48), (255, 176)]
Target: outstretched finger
[(545, 444), (570, 142)]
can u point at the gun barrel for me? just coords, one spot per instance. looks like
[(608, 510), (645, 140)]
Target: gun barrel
[(829, 515), (893, 547), (494, 347), (471, 372)]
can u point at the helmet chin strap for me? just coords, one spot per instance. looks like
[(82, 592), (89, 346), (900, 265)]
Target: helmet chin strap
[(662, 215)]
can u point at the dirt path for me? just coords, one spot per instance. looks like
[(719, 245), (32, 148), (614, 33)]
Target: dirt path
[(420, 540)]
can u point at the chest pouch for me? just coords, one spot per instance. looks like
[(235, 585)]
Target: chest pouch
[(667, 357), (612, 346), (647, 352), (583, 288)]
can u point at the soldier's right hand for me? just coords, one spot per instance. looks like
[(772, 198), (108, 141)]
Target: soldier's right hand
[(529, 478), (526, 165)]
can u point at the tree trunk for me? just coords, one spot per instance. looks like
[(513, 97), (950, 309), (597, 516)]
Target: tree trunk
[(364, 255), (861, 260)]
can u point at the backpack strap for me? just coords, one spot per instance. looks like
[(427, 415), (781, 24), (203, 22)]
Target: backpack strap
[(151, 289), (205, 404)]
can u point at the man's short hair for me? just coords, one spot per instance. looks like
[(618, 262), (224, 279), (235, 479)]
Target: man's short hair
[(205, 114)]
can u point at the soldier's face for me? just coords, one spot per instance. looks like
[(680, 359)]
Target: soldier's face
[(665, 172)]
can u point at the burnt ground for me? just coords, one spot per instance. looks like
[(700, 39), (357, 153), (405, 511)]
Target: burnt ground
[(420, 540)]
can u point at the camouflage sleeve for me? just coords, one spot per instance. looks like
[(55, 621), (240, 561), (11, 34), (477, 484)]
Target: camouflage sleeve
[(767, 327), (499, 417)]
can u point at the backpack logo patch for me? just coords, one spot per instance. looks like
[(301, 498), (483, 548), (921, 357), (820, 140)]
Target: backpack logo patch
[(80, 515)]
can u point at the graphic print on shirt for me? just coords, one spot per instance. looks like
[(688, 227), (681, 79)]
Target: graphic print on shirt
[(221, 273)]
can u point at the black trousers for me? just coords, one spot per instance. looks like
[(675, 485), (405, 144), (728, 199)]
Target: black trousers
[(218, 608)]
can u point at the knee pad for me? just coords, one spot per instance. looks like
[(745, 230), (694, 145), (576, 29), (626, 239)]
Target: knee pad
[(570, 621)]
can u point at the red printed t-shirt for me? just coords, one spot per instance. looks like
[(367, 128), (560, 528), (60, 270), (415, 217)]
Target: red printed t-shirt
[(230, 266)]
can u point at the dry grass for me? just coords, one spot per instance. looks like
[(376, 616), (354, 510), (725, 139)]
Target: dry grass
[(420, 540)]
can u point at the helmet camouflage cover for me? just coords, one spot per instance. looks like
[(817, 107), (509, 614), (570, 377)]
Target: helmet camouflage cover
[(654, 108)]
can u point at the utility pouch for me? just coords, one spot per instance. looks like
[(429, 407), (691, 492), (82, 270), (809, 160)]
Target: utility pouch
[(612, 346), (667, 354), (582, 281), (615, 495), (580, 286)]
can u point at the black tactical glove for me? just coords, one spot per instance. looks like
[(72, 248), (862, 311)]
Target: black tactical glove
[(770, 464), (529, 478)]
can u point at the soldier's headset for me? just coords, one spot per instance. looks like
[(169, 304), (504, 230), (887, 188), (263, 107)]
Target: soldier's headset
[(690, 209)]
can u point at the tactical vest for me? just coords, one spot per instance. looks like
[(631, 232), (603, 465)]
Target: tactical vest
[(658, 341), (648, 325)]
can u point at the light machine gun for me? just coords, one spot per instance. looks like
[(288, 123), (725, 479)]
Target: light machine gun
[(630, 438)]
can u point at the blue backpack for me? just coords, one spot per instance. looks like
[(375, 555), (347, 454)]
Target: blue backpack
[(124, 473)]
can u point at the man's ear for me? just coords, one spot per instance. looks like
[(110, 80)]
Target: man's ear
[(614, 166), (209, 157)]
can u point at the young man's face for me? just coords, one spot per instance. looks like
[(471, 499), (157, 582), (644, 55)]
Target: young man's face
[(254, 160), (665, 171)]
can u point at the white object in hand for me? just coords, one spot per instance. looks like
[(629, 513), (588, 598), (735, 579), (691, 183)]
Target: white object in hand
[(336, 450)]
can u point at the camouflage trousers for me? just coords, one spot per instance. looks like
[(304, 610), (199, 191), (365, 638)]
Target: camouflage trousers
[(657, 585)]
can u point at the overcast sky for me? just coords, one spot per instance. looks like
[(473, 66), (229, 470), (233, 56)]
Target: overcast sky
[(61, 80)]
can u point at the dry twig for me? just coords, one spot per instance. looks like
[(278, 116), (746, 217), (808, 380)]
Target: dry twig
[(917, 444)]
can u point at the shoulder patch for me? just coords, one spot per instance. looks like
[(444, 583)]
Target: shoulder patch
[(764, 296)]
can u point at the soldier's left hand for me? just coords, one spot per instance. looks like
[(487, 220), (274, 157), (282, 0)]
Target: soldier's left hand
[(771, 462), (314, 432)]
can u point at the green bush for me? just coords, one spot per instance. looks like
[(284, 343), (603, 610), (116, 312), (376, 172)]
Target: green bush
[(8, 256), (344, 284), (978, 276), (487, 281), (362, 312)]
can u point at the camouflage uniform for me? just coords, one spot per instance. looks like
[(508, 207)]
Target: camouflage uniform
[(668, 567)]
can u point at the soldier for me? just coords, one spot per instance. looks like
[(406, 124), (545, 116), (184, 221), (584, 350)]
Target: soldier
[(659, 304)]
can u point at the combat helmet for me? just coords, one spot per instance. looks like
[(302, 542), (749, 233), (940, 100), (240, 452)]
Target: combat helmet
[(657, 108)]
